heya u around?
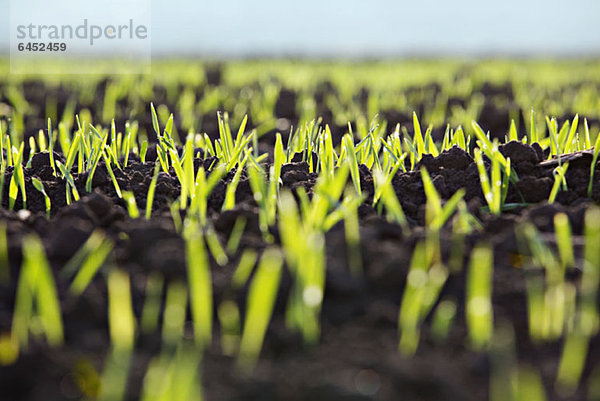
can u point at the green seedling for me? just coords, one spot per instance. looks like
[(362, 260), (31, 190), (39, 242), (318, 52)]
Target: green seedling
[(486, 146), (436, 213), (73, 265), (92, 263), (529, 384), (260, 189), (151, 191), (17, 179), (50, 147), (152, 303), (549, 299), (143, 151), (494, 187), (305, 254), (173, 376), (112, 175), (352, 162), (70, 183), (559, 179), (122, 334), (229, 320), (533, 132), (423, 284), (280, 160), (99, 143), (174, 314), (202, 189), (572, 362), (502, 364), (261, 300), (126, 149), (352, 232), (577, 341), (235, 237), (121, 320), (567, 145), (564, 241), (244, 269), (419, 144), (479, 293), (37, 184), (590, 320), (176, 217), (36, 296), (32, 151), (4, 263), (443, 318), (200, 287), (229, 202), (593, 166), (113, 383), (215, 247), (132, 208), (390, 201)]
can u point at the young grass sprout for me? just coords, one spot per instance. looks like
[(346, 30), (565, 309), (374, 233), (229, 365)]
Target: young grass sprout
[(261, 300), (479, 296)]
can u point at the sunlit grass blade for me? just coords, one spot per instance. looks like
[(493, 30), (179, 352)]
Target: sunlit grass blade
[(564, 242), (174, 314), (244, 269), (173, 376), (151, 192), (121, 323), (572, 362), (442, 319), (590, 319), (95, 259), (352, 162), (593, 166), (152, 303), (261, 300), (479, 292), (410, 309), (40, 187), (199, 281), (229, 320), (559, 179), (36, 288), (132, 208), (4, 262), (121, 320)]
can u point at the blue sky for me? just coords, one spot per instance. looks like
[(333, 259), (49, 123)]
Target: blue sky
[(376, 27)]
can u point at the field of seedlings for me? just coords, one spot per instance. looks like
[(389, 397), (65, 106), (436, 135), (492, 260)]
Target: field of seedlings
[(297, 230)]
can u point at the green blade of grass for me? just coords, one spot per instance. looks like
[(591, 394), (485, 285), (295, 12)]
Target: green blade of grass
[(174, 314), (36, 285), (199, 280), (352, 162), (37, 184), (132, 208), (479, 291), (121, 320), (90, 266), (559, 177), (244, 269), (593, 166), (151, 192), (261, 300), (152, 303)]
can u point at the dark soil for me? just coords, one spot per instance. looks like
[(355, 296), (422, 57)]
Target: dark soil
[(357, 357)]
